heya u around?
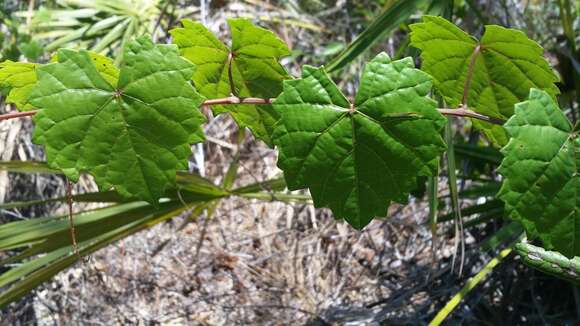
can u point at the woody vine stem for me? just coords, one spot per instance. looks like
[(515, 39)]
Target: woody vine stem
[(233, 100), (462, 111)]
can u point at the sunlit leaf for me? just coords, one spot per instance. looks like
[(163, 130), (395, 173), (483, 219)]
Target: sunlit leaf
[(541, 167), (133, 136), (19, 78), (357, 158), (254, 70), (507, 65)]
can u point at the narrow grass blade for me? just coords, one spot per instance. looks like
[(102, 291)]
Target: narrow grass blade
[(90, 197), (506, 234), (452, 178), (470, 285), (381, 26), (486, 189), (27, 167), (56, 245), (479, 153), (277, 184), (488, 206), (273, 196), (232, 171)]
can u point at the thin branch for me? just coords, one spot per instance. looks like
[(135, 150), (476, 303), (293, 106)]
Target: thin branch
[(160, 17), (469, 77), (71, 222), (14, 115), (232, 100)]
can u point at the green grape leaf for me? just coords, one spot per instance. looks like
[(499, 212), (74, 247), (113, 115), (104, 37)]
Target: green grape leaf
[(357, 158), (132, 136), (541, 188), (507, 65), (253, 68), (19, 78), (104, 65)]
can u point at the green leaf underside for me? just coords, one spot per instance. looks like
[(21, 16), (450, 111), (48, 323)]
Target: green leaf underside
[(356, 162), (508, 65), (19, 78), (133, 136), (256, 71), (541, 166)]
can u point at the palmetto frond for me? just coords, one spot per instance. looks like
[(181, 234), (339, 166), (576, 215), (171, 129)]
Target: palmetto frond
[(103, 25)]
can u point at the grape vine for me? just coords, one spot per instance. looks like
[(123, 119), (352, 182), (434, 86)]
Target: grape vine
[(131, 126)]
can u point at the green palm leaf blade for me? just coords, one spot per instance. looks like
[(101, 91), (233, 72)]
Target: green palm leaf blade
[(97, 229), (255, 70), (356, 159), (382, 25), (19, 78), (133, 136), (541, 188), (507, 66), (97, 24), (27, 167), (46, 241)]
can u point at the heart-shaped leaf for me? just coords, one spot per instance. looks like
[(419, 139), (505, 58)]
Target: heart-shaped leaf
[(541, 169), (251, 65), (506, 65), (357, 158), (133, 135)]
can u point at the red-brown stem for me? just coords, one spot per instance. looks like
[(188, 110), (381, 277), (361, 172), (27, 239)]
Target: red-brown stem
[(13, 115), (231, 75), (71, 221), (469, 76), (459, 112)]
